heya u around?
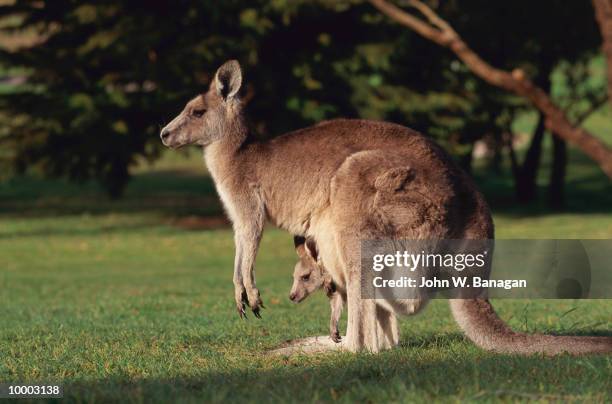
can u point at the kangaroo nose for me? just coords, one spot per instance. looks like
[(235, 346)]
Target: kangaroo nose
[(164, 134), (292, 296)]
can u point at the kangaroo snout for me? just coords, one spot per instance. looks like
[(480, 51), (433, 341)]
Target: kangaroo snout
[(164, 135)]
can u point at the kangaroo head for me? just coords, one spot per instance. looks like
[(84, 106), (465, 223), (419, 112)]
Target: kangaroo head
[(211, 116), (308, 275)]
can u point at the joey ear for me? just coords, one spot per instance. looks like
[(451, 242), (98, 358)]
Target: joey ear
[(299, 242), (311, 248), (228, 79)]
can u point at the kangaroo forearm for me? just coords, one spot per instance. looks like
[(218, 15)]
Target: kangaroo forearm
[(244, 279), (246, 253), (247, 214)]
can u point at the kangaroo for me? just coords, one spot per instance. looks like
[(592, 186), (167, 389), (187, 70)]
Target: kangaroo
[(264, 180), (310, 276)]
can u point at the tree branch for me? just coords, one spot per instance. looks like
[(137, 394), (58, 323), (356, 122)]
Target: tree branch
[(410, 21), (432, 17), (440, 32), (603, 13)]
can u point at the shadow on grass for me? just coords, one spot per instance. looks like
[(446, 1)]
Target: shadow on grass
[(390, 376), (432, 340), (174, 225), (172, 193), (97, 230), (442, 341), (589, 192)]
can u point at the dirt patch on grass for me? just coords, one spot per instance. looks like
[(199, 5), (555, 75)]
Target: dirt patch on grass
[(202, 222)]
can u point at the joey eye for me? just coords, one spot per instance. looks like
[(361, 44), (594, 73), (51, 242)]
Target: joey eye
[(305, 277), (198, 113)]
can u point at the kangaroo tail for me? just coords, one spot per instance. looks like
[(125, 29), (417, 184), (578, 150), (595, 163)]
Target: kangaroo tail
[(480, 323)]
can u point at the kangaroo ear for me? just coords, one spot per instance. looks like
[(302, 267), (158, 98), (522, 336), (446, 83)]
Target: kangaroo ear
[(228, 79)]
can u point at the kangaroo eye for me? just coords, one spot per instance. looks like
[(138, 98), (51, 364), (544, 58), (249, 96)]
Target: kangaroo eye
[(198, 112), (305, 277)]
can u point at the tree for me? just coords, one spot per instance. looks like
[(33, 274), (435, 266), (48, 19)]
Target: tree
[(439, 31), (103, 76)]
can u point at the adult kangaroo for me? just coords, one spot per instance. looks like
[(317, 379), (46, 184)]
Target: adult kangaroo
[(304, 182)]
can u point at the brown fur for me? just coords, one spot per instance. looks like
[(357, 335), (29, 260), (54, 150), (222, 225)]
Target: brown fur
[(259, 181)]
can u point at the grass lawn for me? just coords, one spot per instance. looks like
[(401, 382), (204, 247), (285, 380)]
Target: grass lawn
[(117, 301)]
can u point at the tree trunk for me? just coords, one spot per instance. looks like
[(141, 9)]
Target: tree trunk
[(526, 181), (603, 14), (465, 161), (556, 188), (526, 185)]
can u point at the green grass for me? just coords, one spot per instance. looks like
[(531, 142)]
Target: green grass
[(117, 302), (121, 306)]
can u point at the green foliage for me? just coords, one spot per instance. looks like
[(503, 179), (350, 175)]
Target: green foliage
[(102, 77)]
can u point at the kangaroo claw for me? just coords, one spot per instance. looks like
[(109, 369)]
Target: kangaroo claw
[(256, 307), (253, 299), (241, 311), (241, 305)]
